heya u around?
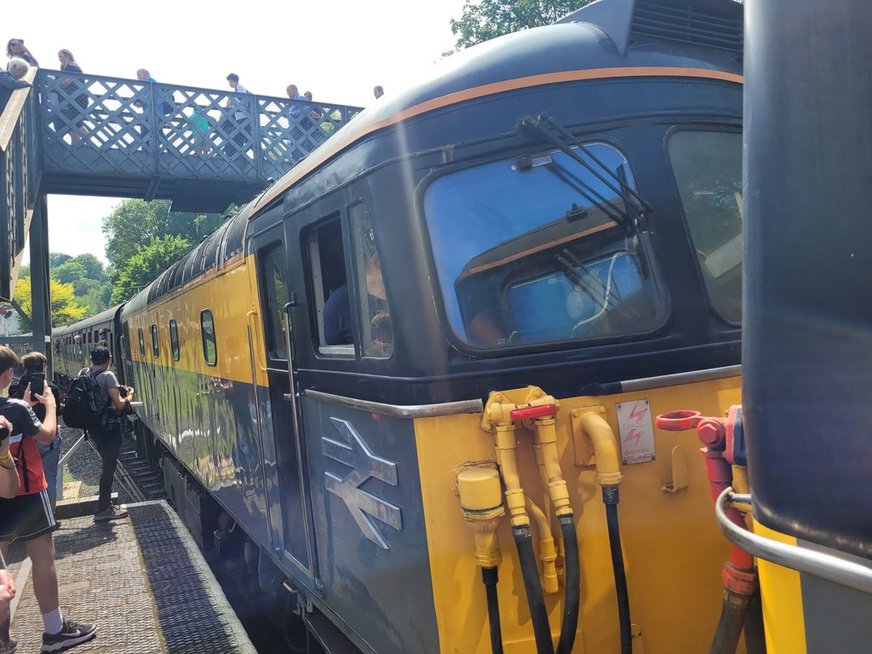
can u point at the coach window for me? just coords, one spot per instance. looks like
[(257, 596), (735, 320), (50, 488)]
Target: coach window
[(155, 349), (378, 334), (538, 249), (174, 339), (276, 290), (141, 343), (330, 288), (708, 170), (207, 327)]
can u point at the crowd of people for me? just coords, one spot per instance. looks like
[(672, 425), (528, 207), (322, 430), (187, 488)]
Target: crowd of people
[(29, 456), (70, 104)]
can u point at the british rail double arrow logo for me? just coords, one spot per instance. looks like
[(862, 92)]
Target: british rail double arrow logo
[(363, 506)]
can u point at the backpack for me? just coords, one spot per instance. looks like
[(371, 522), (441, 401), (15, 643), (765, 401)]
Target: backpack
[(80, 408)]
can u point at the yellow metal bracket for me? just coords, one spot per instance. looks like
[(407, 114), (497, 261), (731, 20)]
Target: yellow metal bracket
[(679, 473)]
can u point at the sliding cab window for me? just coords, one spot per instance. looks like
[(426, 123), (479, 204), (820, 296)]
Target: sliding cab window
[(276, 297), (155, 347), (377, 337), (708, 171), (350, 305), (207, 328), (141, 343), (539, 249), (330, 288)]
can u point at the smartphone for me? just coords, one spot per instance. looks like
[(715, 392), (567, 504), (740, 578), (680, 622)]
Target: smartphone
[(37, 383)]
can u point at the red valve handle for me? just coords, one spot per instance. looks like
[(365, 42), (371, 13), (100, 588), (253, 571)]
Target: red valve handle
[(681, 420), (530, 412)]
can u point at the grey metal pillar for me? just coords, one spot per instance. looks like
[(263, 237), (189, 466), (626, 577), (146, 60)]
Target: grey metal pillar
[(40, 288)]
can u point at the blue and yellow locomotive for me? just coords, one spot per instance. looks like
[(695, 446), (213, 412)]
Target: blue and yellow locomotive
[(431, 355)]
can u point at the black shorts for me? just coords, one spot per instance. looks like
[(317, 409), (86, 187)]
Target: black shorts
[(26, 517)]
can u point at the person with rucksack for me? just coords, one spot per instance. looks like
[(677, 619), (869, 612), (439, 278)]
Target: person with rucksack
[(27, 516), (112, 402), (34, 364)]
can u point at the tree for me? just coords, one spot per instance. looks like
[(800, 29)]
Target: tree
[(65, 309), (88, 277), (488, 19), (56, 258), (134, 224), (146, 264)]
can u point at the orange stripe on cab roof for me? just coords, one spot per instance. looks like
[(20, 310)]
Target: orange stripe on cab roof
[(342, 141)]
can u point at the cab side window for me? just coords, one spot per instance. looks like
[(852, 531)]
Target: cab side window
[(275, 290), (377, 339), (330, 290)]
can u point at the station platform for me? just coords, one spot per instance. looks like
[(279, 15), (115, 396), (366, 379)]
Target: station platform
[(140, 579)]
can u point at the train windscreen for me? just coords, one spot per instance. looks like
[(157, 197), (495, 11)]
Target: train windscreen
[(708, 170), (539, 249)]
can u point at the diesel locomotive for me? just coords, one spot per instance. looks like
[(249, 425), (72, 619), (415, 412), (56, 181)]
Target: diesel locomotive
[(420, 373)]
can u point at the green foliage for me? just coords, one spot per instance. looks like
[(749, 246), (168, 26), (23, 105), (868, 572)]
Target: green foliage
[(488, 19), (134, 224), (144, 238), (88, 277), (146, 264), (56, 258)]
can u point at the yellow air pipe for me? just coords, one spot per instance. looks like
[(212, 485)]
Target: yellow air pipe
[(608, 469), (543, 478), (498, 417), (547, 552), (546, 437)]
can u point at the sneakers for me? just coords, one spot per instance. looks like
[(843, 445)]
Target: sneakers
[(71, 634), (8, 646), (109, 513)]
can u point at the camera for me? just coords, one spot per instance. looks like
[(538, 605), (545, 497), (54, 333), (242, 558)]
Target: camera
[(122, 390), (4, 434)]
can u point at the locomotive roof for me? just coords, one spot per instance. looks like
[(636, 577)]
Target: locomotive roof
[(608, 38)]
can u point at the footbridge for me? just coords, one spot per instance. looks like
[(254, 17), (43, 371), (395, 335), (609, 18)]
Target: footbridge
[(79, 134)]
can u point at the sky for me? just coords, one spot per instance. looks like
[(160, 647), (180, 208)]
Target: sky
[(338, 50)]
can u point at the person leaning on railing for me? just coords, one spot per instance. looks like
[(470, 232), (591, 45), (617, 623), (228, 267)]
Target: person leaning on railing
[(10, 80)]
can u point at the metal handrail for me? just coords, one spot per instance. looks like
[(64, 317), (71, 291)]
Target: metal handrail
[(398, 410), (820, 564)]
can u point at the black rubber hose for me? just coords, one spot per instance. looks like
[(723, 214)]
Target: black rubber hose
[(611, 499), (535, 600), (755, 639), (490, 578), (573, 585), (729, 631)]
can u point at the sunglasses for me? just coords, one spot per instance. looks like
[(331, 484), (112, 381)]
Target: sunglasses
[(16, 43)]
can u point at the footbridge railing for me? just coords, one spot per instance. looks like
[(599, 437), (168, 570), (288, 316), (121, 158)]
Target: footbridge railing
[(203, 148)]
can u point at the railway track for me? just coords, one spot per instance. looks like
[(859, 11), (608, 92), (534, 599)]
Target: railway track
[(138, 479)]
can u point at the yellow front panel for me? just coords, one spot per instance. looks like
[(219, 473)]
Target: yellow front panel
[(673, 549), (781, 591)]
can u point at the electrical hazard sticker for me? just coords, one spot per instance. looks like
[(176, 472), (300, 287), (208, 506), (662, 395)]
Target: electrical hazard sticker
[(637, 431)]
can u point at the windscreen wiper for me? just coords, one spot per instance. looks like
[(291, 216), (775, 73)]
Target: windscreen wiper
[(634, 205)]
